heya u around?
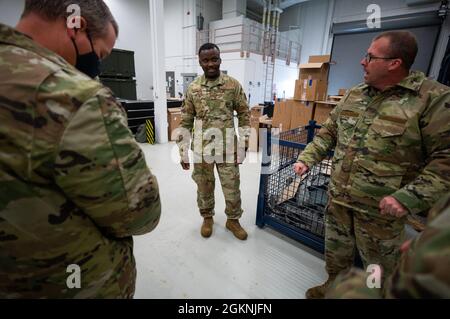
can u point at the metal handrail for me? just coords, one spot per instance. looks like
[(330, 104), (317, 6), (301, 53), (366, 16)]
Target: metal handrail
[(253, 38)]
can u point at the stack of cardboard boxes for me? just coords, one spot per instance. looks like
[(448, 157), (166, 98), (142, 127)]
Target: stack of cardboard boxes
[(311, 86), (322, 109), (290, 114)]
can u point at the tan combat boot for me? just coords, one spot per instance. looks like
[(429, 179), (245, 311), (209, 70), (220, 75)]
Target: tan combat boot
[(234, 226), (319, 292), (207, 227)]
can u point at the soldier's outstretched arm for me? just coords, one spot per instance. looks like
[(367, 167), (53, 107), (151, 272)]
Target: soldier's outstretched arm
[(324, 141), (100, 168), (434, 180)]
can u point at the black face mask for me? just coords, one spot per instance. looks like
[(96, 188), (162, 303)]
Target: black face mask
[(88, 63)]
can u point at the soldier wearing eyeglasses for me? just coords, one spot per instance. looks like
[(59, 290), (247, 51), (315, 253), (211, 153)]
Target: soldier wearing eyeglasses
[(391, 137)]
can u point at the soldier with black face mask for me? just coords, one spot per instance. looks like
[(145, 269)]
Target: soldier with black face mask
[(74, 184)]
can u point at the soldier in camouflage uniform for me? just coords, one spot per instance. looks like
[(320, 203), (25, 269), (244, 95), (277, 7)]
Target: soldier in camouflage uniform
[(391, 137), (423, 271), (74, 185), (211, 100)]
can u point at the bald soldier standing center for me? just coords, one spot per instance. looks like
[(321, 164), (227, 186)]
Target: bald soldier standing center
[(391, 137), (211, 101), (74, 184)]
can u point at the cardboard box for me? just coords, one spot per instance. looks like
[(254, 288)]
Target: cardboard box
[(310, 90), (322, 111), (282, 115), (317, 68), (319, 59), (256, 125), (302, 113), (174, 117), (254, 137), (291, 114), (314, 71)]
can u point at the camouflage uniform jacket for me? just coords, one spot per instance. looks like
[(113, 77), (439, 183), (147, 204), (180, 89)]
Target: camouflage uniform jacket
[(74, 185), (421, 273), (212, 105), (395, 142)]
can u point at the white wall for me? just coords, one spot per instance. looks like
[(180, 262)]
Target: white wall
[(250, 73), (284, 79), (312, 19), (133, 18), (180, 26), (10, 11), (173, 26)]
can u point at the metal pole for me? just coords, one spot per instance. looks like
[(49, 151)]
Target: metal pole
[(263, 28), (274, 20), (264, 15)]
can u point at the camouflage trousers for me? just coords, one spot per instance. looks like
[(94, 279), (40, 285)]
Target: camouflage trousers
[(203, 176), (377, 238)]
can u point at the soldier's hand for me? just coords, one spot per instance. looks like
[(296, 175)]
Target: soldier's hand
[(300, 168), (390, 206)]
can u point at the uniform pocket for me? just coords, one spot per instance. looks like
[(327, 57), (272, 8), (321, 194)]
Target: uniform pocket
[(385, 139), (382, 169), (374, 180), (388, 126)]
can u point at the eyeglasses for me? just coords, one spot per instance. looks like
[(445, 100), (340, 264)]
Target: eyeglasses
[(368, 57)]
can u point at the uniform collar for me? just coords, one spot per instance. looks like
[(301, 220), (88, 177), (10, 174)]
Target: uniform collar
[(219, 81), (13, 37), (412, 82)]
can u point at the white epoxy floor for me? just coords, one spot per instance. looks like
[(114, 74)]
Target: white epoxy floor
[(175, 262)]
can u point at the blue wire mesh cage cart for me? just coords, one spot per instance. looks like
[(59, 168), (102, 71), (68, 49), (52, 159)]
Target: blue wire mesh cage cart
[(293, 205)]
